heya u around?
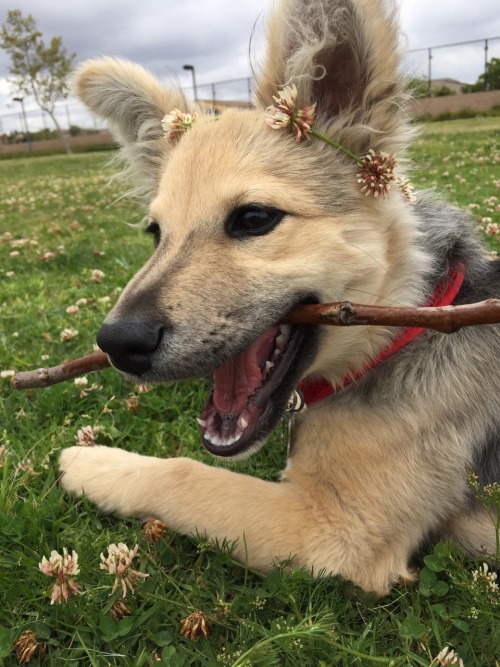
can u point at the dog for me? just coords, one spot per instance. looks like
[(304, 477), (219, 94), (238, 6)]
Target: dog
[(248, 222)]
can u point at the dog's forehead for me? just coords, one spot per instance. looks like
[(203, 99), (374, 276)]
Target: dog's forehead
[(216, 151), (226, 162)]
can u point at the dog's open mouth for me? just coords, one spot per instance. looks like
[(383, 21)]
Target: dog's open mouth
[(250, 392)]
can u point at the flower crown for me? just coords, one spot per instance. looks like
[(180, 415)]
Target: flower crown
[(377, 170)]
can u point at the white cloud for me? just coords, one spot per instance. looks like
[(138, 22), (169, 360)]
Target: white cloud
[(213, 35)]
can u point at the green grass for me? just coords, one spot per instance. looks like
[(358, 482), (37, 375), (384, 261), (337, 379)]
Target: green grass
[(65, 206)]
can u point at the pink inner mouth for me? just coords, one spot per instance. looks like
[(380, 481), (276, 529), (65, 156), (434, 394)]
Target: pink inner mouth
[(235, 382), (234, 405)]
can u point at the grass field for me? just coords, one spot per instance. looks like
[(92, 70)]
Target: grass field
[(63, 243)]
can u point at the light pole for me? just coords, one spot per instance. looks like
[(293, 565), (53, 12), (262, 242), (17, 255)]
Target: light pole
[(191, 69), (21, 99)]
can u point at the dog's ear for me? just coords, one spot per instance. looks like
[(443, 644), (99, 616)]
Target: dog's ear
[(343, 55), (133, 102)]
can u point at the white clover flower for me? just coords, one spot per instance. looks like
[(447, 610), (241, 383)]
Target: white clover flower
[(81, 382), (86, 436), (97, 275), (492, 229), (287, 115), (63, 568), (448, 657), (176, 122), (68, 334), (482, 577), (118, 562)]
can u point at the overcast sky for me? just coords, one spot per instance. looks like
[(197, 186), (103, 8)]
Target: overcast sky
[(213, 35)]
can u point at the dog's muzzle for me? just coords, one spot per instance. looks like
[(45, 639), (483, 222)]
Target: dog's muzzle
[(130, 344)]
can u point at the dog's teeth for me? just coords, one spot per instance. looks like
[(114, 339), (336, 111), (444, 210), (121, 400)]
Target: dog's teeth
[(237, 437), (201, 422), (286, 330), (242, 423), (277, 353), (269, 365), (280, 341), (211, 437)]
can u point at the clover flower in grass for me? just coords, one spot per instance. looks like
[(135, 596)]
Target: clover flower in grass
[(447, 656), (86, 436), (132, 404), (286, 115), (97, 275), (63, 568), (68, 334), (153, 529), (81, 382), (118, 562), (119, 610), (26, 646), (195, 625), (176, 122), (7, 374), (485, 580)]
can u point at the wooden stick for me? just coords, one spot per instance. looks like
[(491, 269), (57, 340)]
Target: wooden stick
[(445, 319), (45, 377)]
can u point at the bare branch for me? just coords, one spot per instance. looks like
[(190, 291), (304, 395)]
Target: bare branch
[(446, 319), (45, 377)]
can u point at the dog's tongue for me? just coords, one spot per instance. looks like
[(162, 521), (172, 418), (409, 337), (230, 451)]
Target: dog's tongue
[(235, 382)]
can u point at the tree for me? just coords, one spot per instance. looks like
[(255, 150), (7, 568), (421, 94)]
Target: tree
[(419, 87), (489, 80), (36, 69)]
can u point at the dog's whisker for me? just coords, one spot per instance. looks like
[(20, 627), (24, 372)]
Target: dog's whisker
[(382, 266), (377, 296)]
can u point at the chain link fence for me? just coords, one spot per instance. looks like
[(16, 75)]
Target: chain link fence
[(431, 64)]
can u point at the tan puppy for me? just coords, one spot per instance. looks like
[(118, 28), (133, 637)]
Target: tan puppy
[(248, 222)]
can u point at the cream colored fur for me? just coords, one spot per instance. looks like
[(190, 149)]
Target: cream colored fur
[(359, 493)]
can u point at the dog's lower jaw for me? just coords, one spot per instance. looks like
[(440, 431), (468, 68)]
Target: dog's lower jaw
[(239, 416)]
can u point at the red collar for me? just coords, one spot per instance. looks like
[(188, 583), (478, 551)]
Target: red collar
[(444, 294)]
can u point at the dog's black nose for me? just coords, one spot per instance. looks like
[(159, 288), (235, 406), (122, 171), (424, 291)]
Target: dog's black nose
[(130, 344)]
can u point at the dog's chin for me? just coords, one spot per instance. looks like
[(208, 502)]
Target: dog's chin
[(252, 391)]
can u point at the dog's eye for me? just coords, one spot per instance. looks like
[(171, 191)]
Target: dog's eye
[(252, 220), (153, 228)]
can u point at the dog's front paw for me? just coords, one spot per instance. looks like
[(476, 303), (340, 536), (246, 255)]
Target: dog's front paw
[(105, 475)]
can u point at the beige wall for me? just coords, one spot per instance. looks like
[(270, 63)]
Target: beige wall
[(475, 101), (433, 105), (99, 139)]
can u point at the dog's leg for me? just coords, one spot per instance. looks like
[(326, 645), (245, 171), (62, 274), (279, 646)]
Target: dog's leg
[(268, 520)]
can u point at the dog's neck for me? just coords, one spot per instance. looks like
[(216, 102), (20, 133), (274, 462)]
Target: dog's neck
[(314, 391)]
